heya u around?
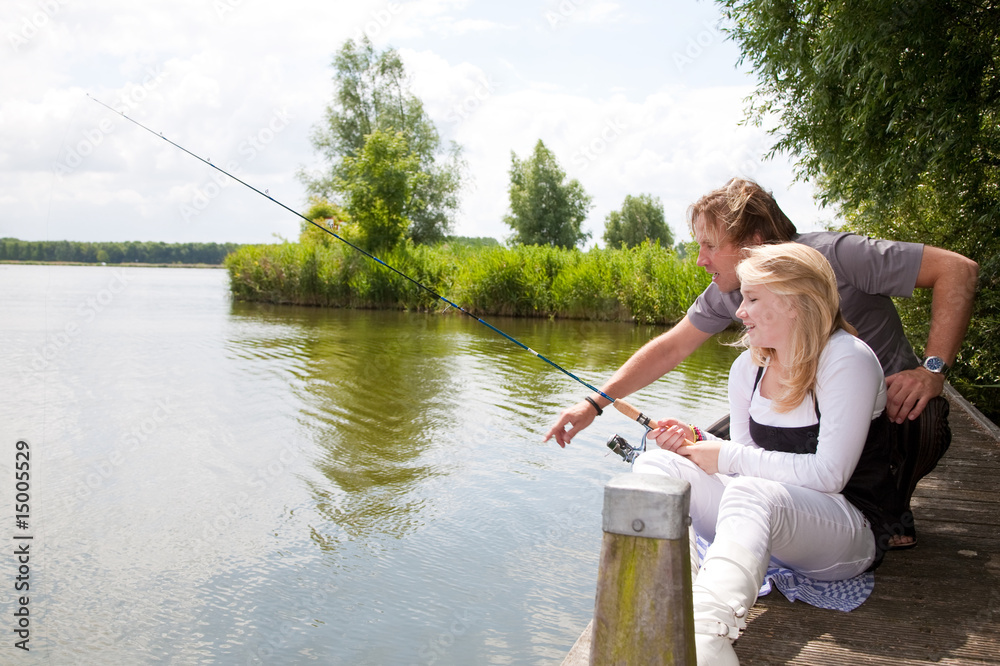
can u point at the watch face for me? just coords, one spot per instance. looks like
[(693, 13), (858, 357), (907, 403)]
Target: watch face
[(934, 364)]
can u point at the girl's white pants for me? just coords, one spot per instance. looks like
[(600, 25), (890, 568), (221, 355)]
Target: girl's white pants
[(820, 535)]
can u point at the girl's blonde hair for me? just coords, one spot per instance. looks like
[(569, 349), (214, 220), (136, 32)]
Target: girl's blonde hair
[(805, 280)]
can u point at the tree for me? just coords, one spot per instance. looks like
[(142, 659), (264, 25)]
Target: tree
[(641, 219), (893, 111), (544, 209), (377, 184), (892, 108), (372, 99)]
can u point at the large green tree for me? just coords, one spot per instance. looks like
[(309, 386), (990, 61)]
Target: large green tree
[(378, 184), (545, 209), (372, 99), (640, 219), (892, 110)]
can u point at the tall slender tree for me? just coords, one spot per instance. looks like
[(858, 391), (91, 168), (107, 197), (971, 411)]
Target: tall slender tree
[(545, 209)]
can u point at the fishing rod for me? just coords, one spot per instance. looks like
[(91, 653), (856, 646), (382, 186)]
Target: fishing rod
[(615, 443)]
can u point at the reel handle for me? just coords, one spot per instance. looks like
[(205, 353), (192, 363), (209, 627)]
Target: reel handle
[(634, 414)]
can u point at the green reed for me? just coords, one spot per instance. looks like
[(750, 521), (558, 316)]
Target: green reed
[(647, 284)]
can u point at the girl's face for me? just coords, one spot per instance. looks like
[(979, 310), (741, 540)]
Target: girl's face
[(768, 317)]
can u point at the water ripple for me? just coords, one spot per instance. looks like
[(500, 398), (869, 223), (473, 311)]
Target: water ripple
[(231, 483)]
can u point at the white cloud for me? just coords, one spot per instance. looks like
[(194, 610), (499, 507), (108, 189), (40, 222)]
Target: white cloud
[(561, 13), (675, 143), (467, 26), (599, 12), (244, 83), (423, 18)]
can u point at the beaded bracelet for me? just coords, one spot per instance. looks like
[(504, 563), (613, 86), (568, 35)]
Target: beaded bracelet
[(594, 403), (698, 435)]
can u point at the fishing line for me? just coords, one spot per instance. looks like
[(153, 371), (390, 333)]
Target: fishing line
[(622, 406)]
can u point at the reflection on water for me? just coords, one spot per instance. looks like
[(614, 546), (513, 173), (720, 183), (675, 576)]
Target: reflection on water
[(239, 483)]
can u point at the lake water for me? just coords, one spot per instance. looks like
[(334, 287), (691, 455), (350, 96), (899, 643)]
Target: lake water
[(219, 482)]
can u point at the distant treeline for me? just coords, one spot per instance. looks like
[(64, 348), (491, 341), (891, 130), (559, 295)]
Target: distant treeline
[(128, 252)]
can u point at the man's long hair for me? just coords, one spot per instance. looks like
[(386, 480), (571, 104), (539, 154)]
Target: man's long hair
[(741, 210)]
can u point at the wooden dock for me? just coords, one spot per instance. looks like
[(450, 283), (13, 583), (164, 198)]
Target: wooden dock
[(936, 603)]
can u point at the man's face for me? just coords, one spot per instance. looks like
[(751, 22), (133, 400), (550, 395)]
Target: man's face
[(716, 254)]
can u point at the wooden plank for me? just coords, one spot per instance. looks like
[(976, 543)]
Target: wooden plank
[(579, 654), (900, 630), (950, 481), (972, 513), (955, 491)]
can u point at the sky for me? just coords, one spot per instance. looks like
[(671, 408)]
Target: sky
[(632, 97)]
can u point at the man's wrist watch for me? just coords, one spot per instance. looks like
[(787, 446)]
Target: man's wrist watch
[(936, 365)]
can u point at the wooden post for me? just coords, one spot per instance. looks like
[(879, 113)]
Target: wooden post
[(643, 610)]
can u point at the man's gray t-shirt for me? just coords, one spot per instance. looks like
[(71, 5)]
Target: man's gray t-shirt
[(868, 271)]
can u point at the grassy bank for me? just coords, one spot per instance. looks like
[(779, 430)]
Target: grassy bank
[(647, 284)]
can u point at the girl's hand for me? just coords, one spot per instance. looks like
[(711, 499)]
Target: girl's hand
[(672, 435), (704, 454)]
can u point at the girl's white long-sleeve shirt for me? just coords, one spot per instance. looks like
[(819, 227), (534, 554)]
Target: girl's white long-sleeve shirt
[(850, 391)]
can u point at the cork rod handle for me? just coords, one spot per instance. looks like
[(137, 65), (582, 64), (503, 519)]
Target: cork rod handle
[(631, 412)]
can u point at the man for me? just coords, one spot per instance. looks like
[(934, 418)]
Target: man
[(869, 272)]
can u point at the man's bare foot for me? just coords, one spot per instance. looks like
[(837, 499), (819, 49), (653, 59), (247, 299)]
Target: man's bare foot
[(901, 542)]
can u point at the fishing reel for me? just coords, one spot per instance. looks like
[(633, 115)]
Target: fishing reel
[(627, 452)]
